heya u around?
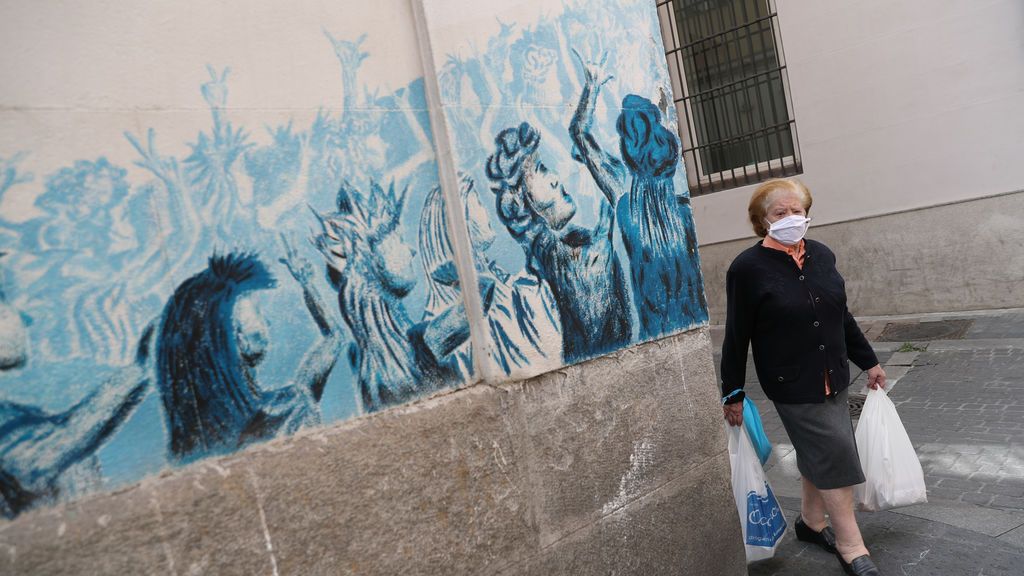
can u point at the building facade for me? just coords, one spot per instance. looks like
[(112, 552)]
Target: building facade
[(905, 127)]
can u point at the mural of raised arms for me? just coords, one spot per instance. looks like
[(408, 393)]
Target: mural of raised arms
[(38, 447), (212, 339), (370, 266), (523, 310), (211, 168), (655, 223), (579, 265)]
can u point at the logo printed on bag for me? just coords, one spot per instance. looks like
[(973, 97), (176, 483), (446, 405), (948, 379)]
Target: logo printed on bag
[(765, 522)]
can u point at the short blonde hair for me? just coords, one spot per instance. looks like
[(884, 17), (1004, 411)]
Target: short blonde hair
[(762, 199)]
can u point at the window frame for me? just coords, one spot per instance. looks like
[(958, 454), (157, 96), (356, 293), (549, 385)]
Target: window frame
[(700, 180)]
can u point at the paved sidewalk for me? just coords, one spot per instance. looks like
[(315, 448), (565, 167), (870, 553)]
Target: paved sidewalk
[(962, 402)]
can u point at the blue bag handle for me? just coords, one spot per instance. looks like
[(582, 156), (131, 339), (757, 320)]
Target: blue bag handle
[(752, 422)]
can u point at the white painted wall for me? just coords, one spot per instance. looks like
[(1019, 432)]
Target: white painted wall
[(899, 105), (75, 75)]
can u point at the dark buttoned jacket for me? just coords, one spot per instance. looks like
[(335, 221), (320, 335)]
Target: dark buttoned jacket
[(797, 322)]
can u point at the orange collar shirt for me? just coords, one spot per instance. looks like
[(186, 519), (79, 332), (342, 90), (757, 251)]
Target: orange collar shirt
[(796, 251)]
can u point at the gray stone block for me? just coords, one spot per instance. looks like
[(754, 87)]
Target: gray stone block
[(598, 435), (90, 536), (688, 526), (784, 475), (901, 359), (1015, 537), (894, 373), (968, 516), (432, 488), (210, 520)]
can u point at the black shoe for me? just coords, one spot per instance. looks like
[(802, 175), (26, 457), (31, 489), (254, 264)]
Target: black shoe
[(826, 538), (861, 566)]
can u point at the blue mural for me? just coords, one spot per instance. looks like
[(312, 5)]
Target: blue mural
[(196, 279), (37, 447), (594, 201), (656, 224), (211, 341), (519, 309), (279, 277), (371, 268)]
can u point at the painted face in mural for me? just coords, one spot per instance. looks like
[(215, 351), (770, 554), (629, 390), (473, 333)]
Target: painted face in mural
[(251, 331), (547, 196), (396, 264)]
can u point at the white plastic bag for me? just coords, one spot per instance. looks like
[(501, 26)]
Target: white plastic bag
[(893, 472), (761, 519)]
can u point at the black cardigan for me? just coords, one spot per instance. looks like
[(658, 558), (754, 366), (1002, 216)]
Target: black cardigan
[(797, 322)]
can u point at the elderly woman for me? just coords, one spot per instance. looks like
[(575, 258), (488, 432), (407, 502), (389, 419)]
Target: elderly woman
[(787, 300)]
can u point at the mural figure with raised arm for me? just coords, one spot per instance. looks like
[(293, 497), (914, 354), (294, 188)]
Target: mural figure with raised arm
[(655, 223), (369, 264), (38, 448), (212, 339), (578, 264)]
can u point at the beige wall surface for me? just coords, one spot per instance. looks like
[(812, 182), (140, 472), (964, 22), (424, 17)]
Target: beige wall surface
[(898, 105), (962, 256)]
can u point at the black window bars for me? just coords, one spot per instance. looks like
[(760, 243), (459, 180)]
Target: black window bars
[(731, 92)]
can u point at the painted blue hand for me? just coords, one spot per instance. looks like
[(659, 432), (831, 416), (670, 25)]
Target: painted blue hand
[(215, 91), (594, 73)]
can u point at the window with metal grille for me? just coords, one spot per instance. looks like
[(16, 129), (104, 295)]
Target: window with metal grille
[(732, 92)]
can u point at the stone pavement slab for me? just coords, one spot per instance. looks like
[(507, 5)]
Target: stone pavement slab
[(902, 358), (989, 521), (975, 344), (900, 546), (782, 472), (1002, 325), (1015, 537)]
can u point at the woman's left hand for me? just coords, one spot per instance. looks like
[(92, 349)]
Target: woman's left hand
[(876, 377)]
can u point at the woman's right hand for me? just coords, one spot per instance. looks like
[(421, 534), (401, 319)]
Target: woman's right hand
[(733, 413)]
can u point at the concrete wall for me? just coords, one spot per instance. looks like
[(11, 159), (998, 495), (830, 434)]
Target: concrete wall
[(898, 106), (616, 465), (961, 256)]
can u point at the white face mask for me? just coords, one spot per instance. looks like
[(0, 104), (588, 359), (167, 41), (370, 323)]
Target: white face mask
[(789, 230)]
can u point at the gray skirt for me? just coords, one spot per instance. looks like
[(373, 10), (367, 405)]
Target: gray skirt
[(822, 435)]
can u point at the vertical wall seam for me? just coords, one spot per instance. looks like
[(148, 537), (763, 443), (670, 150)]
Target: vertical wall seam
[(458, 230)]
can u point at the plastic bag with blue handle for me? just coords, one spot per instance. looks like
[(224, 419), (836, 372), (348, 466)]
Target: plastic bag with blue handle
[(752, 422), (761, 519)]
